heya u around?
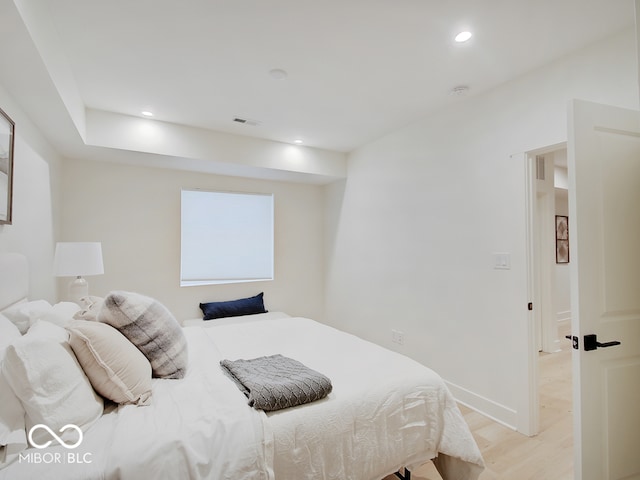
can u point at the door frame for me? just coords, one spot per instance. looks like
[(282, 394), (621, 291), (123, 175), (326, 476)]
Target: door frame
[(531, 424)]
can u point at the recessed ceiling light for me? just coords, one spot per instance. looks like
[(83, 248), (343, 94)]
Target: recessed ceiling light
[(147, 113), (463, 37), (298, 142)]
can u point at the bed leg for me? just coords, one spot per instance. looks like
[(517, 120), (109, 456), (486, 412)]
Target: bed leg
[(405, 476)]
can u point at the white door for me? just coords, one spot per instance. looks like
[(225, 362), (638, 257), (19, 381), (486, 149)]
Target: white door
[(604, 238)]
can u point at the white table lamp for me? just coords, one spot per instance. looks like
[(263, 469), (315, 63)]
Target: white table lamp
[(78, 259)]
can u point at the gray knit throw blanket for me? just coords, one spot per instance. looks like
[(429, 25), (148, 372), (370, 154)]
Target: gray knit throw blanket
[(276, 382)]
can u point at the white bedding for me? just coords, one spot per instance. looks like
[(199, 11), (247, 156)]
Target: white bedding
[(197, 427), (199, 322), (385, 411)]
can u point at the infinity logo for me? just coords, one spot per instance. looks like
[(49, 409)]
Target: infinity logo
[(53, 434)]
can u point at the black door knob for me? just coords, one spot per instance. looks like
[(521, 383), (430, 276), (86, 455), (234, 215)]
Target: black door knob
[(591, 343)]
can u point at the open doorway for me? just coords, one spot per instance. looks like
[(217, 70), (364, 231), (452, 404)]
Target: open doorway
[(550, 245), (550, 280)]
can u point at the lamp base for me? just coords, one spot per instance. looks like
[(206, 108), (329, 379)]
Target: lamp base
[(78, 288)]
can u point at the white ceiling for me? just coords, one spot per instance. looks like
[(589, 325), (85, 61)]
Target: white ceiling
[(357, 69)]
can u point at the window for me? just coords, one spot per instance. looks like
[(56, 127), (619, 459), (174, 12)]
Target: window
[(226, 237)]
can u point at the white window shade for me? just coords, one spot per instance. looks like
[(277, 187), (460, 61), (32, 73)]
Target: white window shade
[(226, 237)]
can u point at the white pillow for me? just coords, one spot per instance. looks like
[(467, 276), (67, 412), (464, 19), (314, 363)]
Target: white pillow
[(48, 331), (60, 314), (20, 314), (13, 437), (45, 375), (12, 413), (90, 307), (8, 333), (26, 314), (116, 368)]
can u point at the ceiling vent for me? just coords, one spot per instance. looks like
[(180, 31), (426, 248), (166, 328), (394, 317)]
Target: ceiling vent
[(246, 121), (459, 91)]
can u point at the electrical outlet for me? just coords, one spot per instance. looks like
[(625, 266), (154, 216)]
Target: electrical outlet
[(397, 337)]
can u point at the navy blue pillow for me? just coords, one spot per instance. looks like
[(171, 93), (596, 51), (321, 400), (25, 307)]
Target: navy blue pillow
[(233, 308)]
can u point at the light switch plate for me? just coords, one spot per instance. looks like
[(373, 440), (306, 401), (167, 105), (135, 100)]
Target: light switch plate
[(502, 261)]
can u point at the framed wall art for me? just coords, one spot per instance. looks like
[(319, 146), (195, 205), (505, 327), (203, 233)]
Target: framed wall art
[(562, 239), (7, 128)]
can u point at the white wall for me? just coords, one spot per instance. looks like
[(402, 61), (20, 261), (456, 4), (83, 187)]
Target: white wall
[(35, 181), (135, 213), (411, 232)]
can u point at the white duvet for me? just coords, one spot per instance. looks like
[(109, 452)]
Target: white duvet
[(385, 411)]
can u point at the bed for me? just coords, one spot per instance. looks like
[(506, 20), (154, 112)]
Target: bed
[(384, 414)]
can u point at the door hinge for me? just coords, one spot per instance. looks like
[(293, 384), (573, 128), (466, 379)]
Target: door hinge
[(530, 306)]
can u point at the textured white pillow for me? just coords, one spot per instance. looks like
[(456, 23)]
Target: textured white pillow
[(44, 374), (20, 314), (60, 314), (116, 368), (152, 328), (12, 428), (26, 314), (8, 333), (90, 307), (48, 331)]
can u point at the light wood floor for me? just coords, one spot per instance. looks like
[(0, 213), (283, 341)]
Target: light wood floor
[(509, 455)]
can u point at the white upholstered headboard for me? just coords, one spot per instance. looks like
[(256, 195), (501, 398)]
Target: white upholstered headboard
[(14, 279)]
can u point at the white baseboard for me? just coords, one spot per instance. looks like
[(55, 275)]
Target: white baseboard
[(496, 412)]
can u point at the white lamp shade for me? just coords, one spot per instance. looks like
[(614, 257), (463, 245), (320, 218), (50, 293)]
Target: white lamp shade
[(73, 259)]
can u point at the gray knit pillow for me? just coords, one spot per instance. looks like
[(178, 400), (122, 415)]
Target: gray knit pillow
[(152, 328)]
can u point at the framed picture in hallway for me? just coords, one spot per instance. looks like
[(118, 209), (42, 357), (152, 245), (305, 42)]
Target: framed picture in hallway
[(562, 239)]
